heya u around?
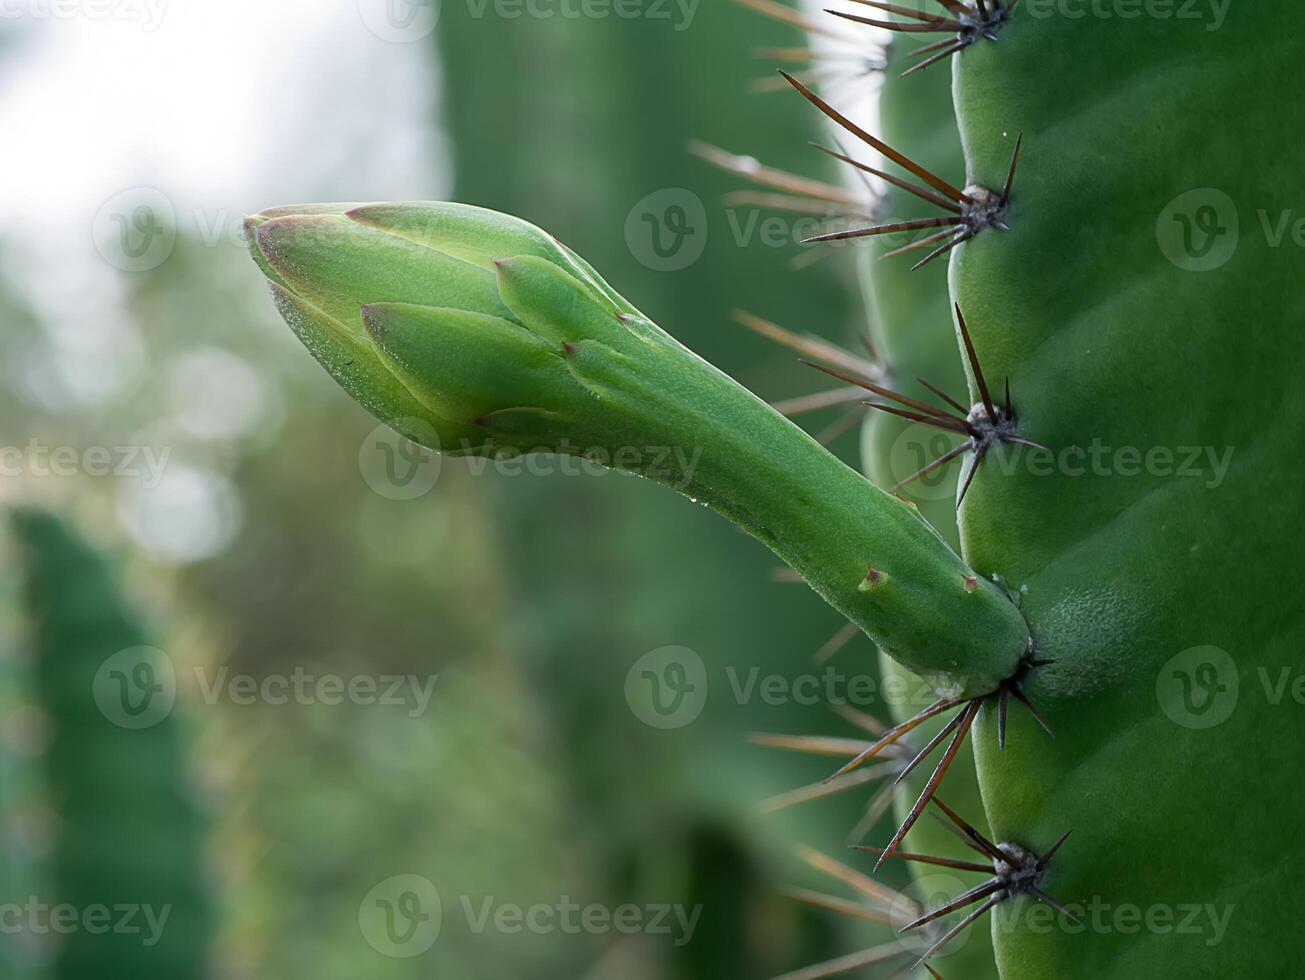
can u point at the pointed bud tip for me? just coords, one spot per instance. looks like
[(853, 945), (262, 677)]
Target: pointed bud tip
[(373, 321), (251, 225)]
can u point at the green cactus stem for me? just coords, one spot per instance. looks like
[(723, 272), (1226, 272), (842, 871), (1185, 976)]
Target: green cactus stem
[(490, 337)]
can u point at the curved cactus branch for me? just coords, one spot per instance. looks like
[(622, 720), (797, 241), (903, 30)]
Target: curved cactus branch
[(477, 334)]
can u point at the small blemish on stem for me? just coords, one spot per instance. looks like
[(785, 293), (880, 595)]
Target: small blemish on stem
[(874, 579)]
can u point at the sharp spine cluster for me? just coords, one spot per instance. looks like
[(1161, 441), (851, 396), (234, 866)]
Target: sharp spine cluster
[(967, 23), (1014, 869)]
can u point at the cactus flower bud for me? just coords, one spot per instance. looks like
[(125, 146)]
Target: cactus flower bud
[(477, 333)]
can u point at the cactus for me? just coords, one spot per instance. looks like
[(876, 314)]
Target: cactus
[(129, 833), (1101, 578), (910, 332), (911, 327)]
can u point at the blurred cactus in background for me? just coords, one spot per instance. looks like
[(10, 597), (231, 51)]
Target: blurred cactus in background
[(126, 883)]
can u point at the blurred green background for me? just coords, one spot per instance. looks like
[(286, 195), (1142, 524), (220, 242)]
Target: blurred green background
[(252, 525)]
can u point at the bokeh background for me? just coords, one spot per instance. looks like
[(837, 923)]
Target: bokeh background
[(260, 526)]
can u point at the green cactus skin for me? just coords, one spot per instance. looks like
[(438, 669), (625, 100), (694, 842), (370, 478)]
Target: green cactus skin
[(911, 323), (1106, 339), (130, 832), (588, 376)]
